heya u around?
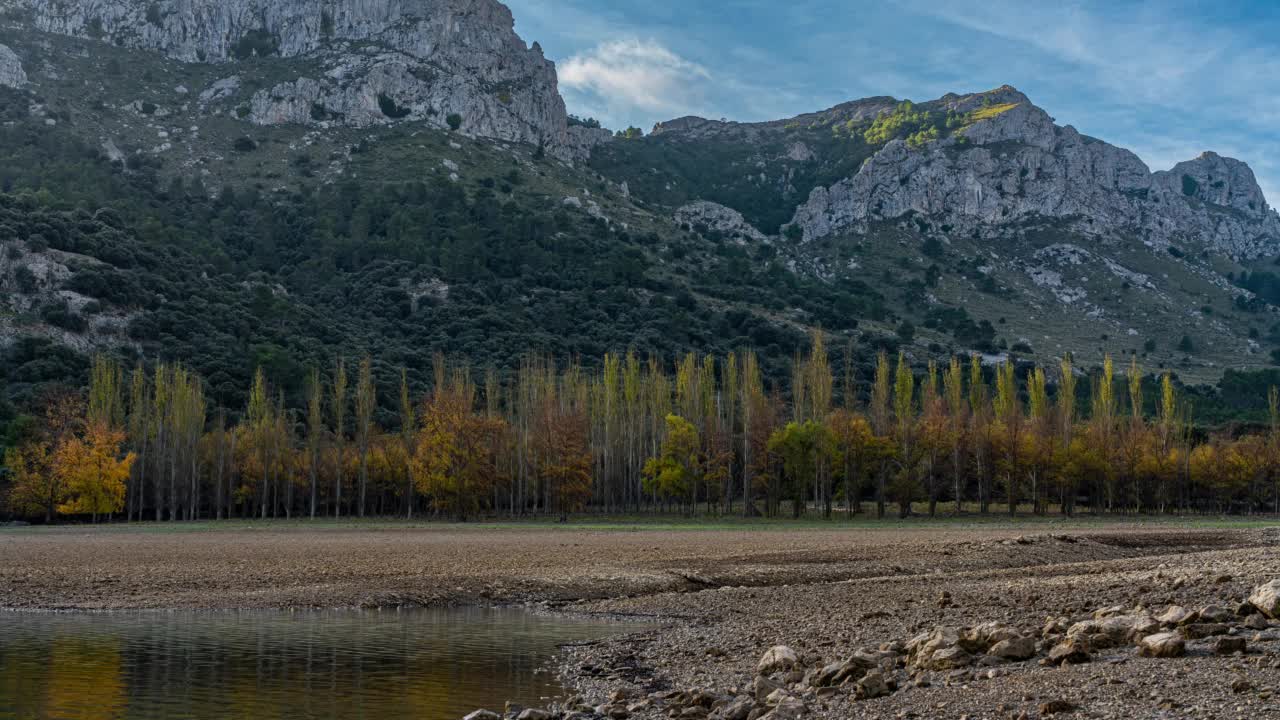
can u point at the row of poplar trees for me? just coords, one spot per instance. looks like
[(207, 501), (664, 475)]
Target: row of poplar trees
[(634, 435)]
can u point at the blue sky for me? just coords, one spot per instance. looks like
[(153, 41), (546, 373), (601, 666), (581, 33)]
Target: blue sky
[(1167, 79)]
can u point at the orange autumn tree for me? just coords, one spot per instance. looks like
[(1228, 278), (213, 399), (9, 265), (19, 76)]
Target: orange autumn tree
[(454, 462), (35, 484), (77, 465), (34, 487), (93, 471), (564, 458), (92, 464)]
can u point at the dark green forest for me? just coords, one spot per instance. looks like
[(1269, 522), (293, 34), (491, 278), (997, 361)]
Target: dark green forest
[(488, 270)]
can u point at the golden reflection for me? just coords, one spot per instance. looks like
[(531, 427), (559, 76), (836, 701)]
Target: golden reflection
[(84, 679)]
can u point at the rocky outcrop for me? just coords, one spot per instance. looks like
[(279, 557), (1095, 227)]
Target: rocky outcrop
[(374, 61), (1013, 164), (11, 72), (709, 216), (692, 127), (32, 278), (581, 140), (1218, 181)]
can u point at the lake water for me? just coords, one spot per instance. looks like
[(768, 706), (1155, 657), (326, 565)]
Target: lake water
[(421, 664)]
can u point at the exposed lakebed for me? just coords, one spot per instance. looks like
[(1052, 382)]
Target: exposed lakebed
[(422, 664)]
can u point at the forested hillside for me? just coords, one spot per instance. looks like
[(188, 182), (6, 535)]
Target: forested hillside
[(227, 215)]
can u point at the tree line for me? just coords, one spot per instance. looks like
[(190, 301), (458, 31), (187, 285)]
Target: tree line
[(706, 435)]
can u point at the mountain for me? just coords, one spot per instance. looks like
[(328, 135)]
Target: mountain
[(978, 207), (348, 62), (1004, 162), (236, 183)]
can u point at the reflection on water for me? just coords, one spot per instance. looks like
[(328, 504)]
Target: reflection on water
[(421, 664)]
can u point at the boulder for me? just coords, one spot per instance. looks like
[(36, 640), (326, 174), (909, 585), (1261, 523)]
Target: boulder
[(1176, 615), (1017, 648), (778, 658), (483, 715), (739, 709), (1114, 629), (789, 709), (1196, 631), (1214, 614), (872, 686), (1230, 646), (1267, 599), (923, 647), (837, 673), (1163, 645), (1055, 626), (1107, 612), (1055, 707), (777, 697), (980, 638), (952, 658), (1071, 651), (763, 687), (1256, 622)]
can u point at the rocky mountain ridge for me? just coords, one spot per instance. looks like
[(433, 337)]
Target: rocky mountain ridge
[(440, 63), (971, 223), (1011, 163)]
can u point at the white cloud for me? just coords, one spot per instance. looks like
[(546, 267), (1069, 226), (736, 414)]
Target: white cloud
[(628, 78)]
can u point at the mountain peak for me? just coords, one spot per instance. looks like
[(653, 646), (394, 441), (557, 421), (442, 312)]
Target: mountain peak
[(360, 62), (1218, 180), (1003, 161)]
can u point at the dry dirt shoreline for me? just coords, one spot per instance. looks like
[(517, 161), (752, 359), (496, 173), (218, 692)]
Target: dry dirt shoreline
[(725, 597)]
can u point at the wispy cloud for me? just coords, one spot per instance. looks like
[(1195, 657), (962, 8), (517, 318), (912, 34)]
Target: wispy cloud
[(1151, 55), (1167, 79), (630, 77)]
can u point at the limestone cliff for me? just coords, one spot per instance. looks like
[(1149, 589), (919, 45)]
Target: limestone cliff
[(370, 61), (1012, 163), (11, 72)]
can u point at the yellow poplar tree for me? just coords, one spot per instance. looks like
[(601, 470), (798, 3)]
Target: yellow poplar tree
[(93, 471)]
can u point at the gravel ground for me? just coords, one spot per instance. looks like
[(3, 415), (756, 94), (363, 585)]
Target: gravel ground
[(716, 637), (719, 599), (291, 565)]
